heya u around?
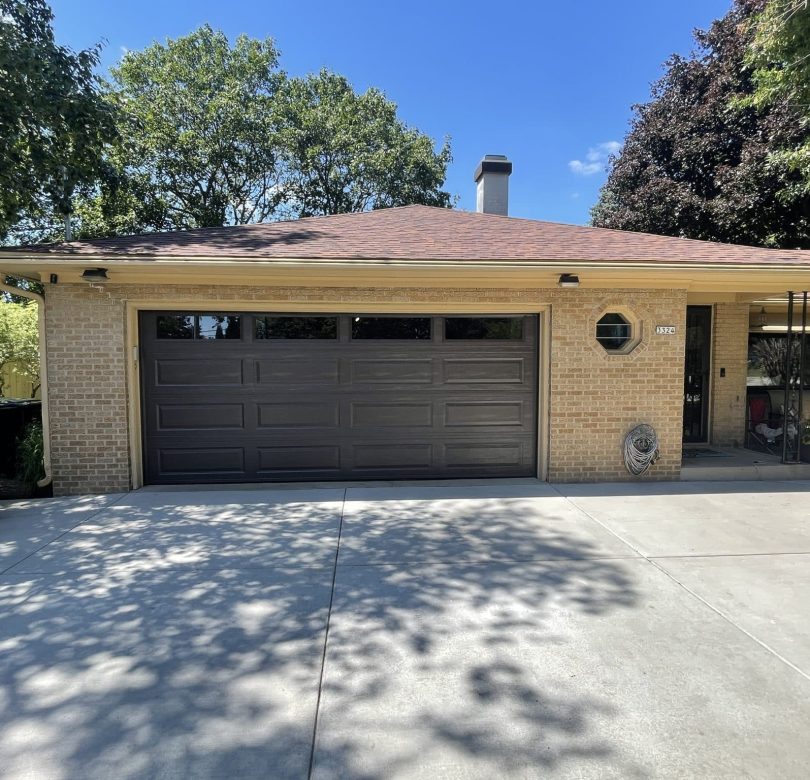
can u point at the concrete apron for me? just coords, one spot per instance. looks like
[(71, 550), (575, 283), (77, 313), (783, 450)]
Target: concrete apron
[(456, 630)]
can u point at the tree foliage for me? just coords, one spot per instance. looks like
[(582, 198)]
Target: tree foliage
[(197, 146), (780, 56), (345, 151), (19, 342), (54, 124), (698, 159), (216, 134)]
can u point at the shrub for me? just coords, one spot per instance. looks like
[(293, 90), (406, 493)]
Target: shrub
[(30, 463)]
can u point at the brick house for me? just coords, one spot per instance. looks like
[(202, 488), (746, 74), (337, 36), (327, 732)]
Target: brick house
[(409, 342)]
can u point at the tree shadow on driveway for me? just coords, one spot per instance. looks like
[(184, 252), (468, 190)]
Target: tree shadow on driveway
[(449, 619), (181, 635)]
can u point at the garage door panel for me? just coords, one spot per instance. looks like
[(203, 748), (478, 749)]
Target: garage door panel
[(391, 372), (299, 414), (274, 409), (475, 414), (382, 456), (298, 371), (300, 458), (484, 370), (483, 453), (201, 461), (200, 416), (367, 414), (198, 372)]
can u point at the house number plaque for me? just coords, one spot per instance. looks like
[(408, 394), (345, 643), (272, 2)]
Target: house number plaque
[(665, 330)]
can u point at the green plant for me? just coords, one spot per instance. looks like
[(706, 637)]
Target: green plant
[(30, 463)]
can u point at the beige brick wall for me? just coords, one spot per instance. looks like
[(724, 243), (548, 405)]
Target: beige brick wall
[(729, 352), (595, 398), (84, 332)]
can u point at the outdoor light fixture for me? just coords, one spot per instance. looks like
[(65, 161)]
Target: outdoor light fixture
[(568, 280), (95, 275), (763, 318)]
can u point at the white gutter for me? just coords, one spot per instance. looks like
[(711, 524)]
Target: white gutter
[(43, 377)]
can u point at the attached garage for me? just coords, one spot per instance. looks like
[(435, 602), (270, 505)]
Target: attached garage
[(237, 396), (394, 343)]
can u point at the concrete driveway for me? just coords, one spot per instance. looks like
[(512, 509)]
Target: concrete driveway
[(431, 631)]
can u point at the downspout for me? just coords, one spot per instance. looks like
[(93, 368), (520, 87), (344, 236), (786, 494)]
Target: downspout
[(43, 377)]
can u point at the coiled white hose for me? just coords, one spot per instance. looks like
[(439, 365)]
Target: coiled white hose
[(640, 449)]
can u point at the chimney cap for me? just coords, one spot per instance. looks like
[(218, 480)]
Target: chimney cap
[(493, 163)]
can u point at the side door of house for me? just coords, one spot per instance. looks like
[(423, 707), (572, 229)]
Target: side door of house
[(697, 374)]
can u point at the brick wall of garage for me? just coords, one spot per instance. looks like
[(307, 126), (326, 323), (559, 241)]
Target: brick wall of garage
[(729, 356), (595, 397)]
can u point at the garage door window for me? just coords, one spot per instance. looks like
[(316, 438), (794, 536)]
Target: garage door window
[(296, 327), (199, 326), (474, 328), (403, 328), (218, 326), (175, 326)]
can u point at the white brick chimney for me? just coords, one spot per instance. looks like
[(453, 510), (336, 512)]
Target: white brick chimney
[(492, 178)]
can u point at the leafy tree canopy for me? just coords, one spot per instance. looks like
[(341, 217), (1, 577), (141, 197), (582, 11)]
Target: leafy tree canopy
[(54, 123), (698, 160), (214, 134), (197, 134), (780, 56), (348, 152)]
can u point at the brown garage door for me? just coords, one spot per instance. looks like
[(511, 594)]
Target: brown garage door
[(234, 397)]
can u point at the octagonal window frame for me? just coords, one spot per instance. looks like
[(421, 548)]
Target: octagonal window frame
[(634, 330)]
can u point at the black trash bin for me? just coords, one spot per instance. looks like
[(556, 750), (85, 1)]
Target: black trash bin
[(14, 416)]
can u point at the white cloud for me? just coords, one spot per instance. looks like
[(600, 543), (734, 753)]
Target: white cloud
[(595, 159), (124, 51)]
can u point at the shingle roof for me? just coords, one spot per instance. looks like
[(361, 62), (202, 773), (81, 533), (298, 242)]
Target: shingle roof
[(419, 233)]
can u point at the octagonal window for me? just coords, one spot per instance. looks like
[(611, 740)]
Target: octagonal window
[(613, 331)]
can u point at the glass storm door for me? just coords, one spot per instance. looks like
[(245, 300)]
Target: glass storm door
[(696, 374)]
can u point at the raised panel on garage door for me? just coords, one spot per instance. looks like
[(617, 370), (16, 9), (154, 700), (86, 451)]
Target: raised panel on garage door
[(271, 396)]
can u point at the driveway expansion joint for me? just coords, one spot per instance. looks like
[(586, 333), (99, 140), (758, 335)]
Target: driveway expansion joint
[(731, 621), (326, 640), (64, 533), (652, 560)]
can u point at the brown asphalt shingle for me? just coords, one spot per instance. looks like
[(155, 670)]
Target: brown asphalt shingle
[(419, 233)]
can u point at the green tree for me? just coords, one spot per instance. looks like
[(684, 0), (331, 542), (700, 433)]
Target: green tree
[(54, 124), (216, 134), (780, 56), (19, 343), (197, 142), (698, 159), (346, 152)]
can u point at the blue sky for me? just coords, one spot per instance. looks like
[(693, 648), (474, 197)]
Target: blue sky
[(549, 84)]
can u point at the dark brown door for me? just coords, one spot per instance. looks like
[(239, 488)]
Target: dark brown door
[(696, 373), (233, 397)]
